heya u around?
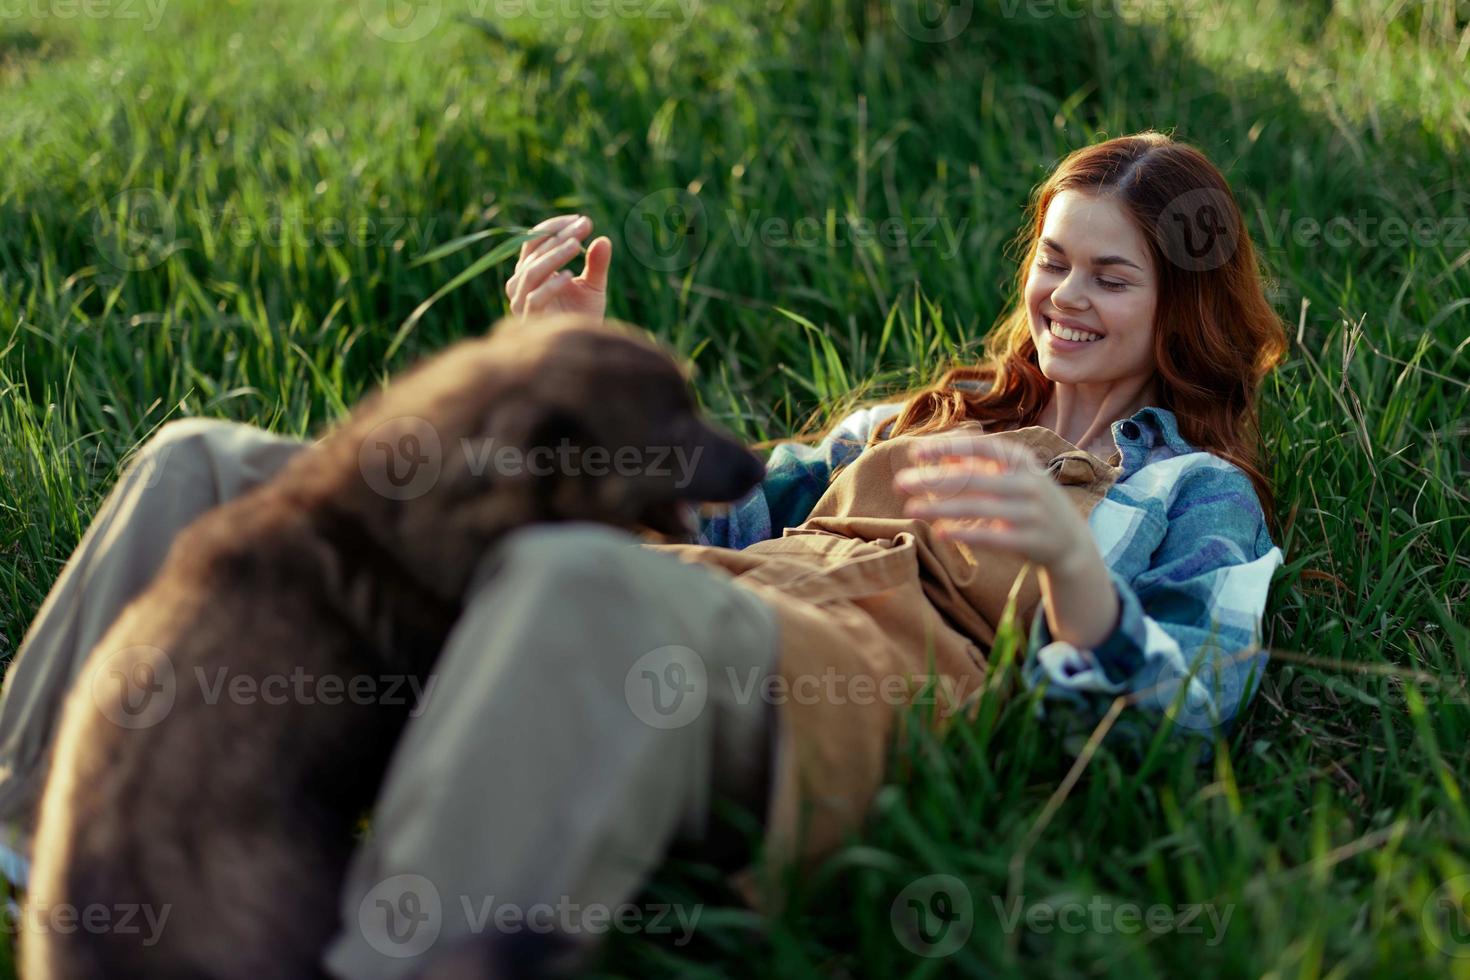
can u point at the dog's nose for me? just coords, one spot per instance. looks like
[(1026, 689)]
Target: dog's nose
[(753, 471), (742, 469), (722, 469)]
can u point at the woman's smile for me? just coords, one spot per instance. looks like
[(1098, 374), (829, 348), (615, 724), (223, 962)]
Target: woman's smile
[(1066, 335)]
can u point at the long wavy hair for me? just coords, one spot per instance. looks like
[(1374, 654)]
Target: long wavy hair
[(1216, 336)]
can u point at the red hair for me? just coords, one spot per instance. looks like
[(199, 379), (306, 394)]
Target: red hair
[(1216, 336)]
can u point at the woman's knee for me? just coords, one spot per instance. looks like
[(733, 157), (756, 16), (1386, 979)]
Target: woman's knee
[(601, 576), (233, 455), (177, 446)]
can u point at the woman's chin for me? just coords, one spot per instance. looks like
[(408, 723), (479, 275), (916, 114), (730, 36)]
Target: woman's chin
[(1066, 374)]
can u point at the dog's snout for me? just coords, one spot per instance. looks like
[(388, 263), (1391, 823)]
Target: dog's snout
[(754, 471), (720, 469)]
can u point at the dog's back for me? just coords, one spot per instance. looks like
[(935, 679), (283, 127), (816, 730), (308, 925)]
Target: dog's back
[(209, 795)]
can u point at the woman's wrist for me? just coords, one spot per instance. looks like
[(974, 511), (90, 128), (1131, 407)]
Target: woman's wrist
[(1081, 603)]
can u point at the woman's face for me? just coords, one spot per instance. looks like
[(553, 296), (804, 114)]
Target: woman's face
[(1093, 279)]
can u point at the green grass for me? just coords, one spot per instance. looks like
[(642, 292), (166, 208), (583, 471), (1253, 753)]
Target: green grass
[(1338, 810)]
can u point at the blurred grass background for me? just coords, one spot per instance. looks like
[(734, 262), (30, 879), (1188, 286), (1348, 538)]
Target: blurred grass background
[(211, 207)]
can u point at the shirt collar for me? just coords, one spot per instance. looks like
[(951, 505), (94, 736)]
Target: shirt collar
[(1151, 432)]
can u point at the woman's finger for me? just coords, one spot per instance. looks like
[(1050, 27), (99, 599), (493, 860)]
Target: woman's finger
[(537, 299), (1010, 509), (599, 258), (579, 227), (949, 479), (982, 446), (948, 444), (545, 231), (541, 268), (577, 230), (1001, 539)]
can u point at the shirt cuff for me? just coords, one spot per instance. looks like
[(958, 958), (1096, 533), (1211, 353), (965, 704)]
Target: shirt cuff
[(1114, 660)]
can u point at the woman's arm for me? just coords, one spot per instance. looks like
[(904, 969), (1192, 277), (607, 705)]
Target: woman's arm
[(1190, 581), (1157, 597)]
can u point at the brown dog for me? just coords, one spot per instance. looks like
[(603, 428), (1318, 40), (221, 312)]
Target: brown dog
[(218, 818)]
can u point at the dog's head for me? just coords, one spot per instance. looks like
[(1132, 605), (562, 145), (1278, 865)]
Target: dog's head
[(545, 419), (610, 427)]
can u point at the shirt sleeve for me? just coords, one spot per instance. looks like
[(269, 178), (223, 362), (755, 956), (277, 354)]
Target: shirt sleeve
[(797, 475), (1192, 579)]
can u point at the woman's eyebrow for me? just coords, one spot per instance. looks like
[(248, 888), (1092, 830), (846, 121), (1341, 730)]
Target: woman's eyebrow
[(1099, 260)]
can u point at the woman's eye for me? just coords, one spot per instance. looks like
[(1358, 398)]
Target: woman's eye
[(1109, 284)]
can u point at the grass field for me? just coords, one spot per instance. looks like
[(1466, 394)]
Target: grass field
[(213, 207)]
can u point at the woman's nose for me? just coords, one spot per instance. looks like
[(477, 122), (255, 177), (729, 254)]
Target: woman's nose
[(1069, 293)]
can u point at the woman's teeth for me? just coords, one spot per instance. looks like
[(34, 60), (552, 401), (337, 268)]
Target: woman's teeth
[(1067, 333)]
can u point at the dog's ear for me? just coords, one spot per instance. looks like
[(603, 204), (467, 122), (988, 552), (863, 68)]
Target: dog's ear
[(529, 439)]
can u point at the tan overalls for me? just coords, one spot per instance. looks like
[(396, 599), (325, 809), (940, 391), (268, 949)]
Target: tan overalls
[(865, 597)]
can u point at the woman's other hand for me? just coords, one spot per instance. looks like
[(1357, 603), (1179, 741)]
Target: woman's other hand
[(995, 495), (540, 284)]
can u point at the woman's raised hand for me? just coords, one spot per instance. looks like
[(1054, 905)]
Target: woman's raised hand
[(540, 284), (977, 490)]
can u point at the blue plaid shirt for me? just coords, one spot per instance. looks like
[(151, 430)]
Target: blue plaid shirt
[(1185, 541)]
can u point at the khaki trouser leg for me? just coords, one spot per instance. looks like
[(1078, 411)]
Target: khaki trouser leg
[(590, 700), (188, 467)]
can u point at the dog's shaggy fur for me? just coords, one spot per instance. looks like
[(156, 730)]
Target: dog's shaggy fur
[(235, 816)]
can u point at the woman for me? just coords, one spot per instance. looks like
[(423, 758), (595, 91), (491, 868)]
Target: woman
[(1142, 335), (1111, 454)]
